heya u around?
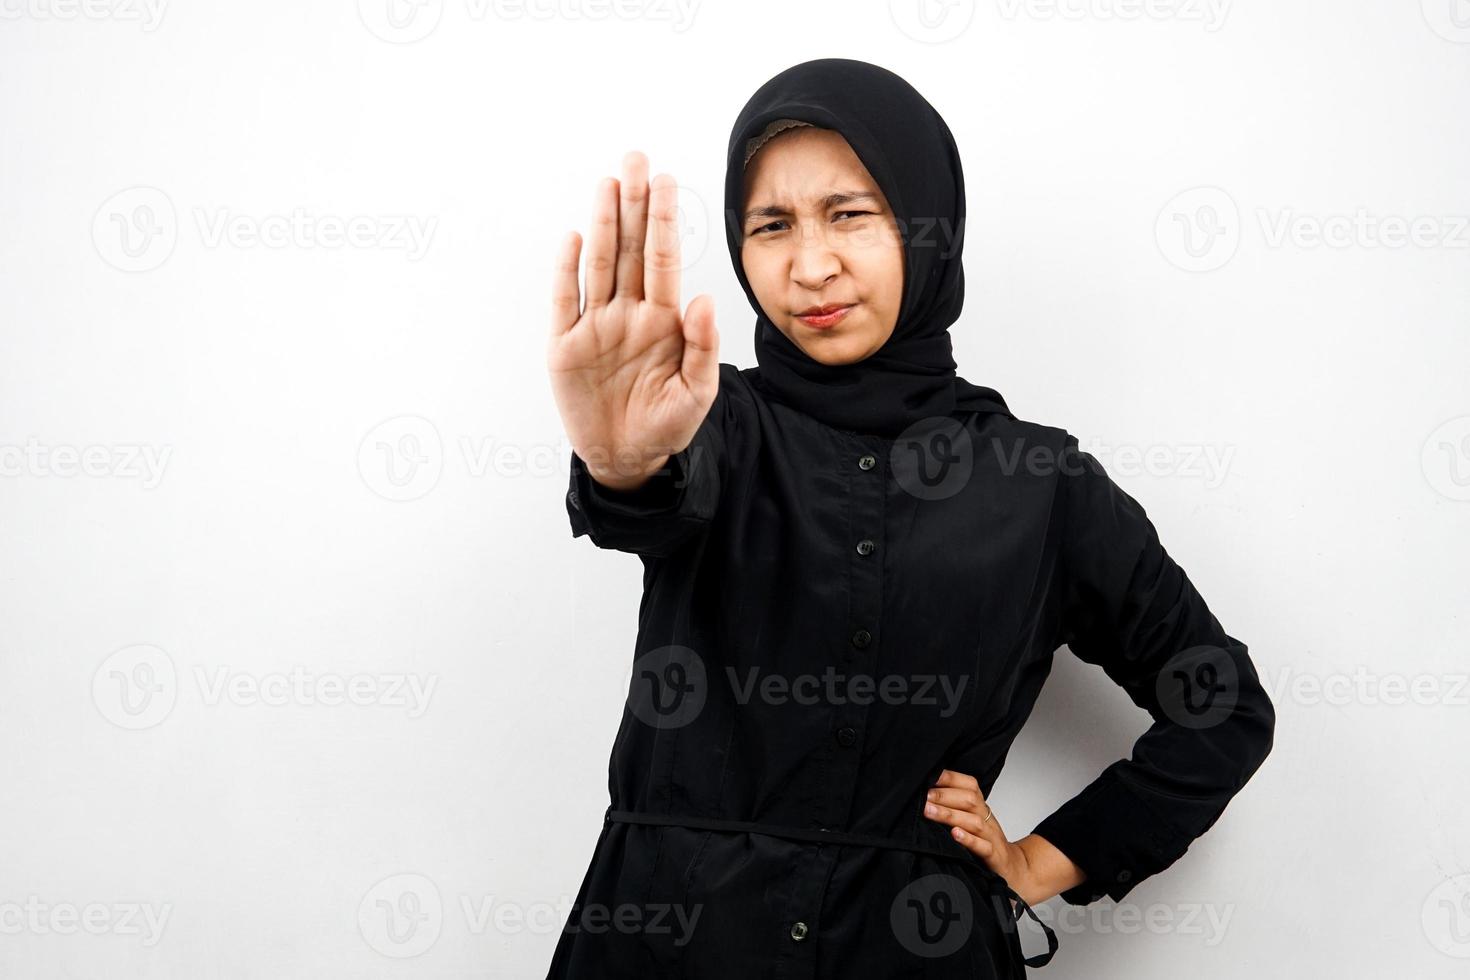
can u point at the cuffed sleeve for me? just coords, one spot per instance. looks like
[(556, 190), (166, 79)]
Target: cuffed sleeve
[(1130, 609), (675, 504)]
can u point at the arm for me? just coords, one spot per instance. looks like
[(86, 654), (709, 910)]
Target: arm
[(1130, 609), (635, 381), (675, 503), (1049, 872)]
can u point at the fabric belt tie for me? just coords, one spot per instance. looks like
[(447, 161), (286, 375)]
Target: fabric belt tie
[(845, 839)]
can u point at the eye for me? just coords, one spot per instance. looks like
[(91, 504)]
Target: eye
[(757, 231), (841, 213)]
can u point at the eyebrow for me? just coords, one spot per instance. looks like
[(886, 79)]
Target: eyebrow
[(830, 201)]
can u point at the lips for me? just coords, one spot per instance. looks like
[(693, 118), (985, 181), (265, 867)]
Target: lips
[(824, 317)]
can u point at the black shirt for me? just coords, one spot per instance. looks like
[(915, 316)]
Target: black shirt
[(828, 620)]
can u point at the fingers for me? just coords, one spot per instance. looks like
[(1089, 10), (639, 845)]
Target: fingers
[(969, 828), (602, 250), (948, 777), (962, 801), (701, 364), (981, 846), (661, 255), (956, 800), (566, 303), (632, 225), (959, 816)]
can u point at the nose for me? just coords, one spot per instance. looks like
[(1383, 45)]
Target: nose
[(814, 263)]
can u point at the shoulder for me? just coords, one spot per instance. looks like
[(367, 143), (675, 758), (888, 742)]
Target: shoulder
[(1037, 449)]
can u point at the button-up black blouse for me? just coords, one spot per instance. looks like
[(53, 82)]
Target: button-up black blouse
[(828, 620)]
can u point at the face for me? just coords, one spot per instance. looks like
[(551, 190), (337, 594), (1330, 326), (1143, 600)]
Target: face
[(819, 233)]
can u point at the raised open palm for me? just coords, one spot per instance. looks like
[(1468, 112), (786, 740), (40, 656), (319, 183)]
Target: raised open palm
[(632, 377)]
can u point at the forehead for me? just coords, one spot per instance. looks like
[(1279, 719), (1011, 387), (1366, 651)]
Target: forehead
[(804, 165)]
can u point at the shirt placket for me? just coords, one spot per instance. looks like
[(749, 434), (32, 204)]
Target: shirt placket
[(845, 721)]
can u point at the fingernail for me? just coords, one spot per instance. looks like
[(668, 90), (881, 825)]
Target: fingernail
[(930, 809)]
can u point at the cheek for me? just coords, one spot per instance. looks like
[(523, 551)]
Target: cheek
[(880, 270), (763, 272), (757, 265)]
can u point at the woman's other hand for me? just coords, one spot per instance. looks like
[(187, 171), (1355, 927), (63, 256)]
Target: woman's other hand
[(1033, 868), (632, 377)]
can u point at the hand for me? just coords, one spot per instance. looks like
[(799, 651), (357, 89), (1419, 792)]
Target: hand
[(632, 378), (956, 800), (1033, 867)]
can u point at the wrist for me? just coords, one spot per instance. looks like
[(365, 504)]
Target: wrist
[(625, 478)]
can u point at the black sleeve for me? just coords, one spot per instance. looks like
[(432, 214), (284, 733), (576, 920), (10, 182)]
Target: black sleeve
[(675, 504), (1130, 609)]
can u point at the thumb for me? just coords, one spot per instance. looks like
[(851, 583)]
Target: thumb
[(701, 364)]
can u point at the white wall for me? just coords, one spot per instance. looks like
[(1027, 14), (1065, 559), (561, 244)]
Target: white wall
[(257, 534)]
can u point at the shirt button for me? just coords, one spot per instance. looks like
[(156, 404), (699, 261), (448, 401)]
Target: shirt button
[(572, 497), (1125, 875), (847, 736), (798, 931), (865, 546), (867, 461), (861, 638)]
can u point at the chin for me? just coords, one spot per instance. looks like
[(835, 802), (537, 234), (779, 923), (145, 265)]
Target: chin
[(835, 358), (847, 350), (831, 349)]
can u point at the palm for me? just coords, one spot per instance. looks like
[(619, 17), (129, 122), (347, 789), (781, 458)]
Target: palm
[(632, 378)]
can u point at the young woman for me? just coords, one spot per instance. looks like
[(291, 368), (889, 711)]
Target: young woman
[(857, 568)]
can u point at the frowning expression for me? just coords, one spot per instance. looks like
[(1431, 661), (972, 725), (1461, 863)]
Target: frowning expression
[(820, 246)]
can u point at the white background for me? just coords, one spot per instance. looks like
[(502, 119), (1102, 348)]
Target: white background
[(357, 472)]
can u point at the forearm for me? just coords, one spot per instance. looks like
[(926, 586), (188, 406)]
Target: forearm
[(1049, 872)]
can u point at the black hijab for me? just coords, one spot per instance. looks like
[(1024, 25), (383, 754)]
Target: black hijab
[(907, 147)]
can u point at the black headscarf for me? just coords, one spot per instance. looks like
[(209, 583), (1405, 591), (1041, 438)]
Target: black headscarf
[(907, 147)]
